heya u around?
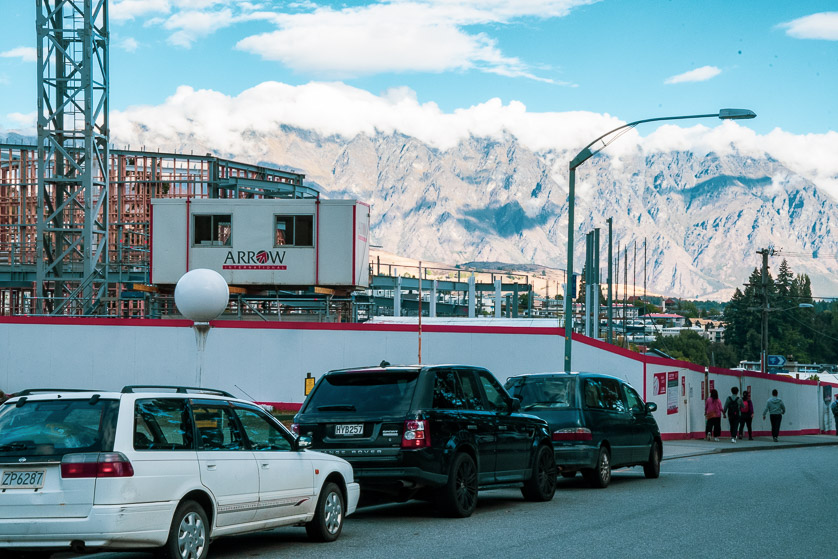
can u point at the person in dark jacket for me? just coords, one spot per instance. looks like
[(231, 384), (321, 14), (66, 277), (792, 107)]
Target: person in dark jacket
[(834, 409), (747, 415), (775, 408), (732, 412)]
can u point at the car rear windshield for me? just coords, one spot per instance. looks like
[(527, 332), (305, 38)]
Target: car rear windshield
[(544, 393), (364, 392), (57, 427)]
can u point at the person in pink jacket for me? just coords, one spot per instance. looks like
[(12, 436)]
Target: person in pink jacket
[(713, 414)]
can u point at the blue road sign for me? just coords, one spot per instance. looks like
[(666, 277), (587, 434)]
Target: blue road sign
[(776, 360)]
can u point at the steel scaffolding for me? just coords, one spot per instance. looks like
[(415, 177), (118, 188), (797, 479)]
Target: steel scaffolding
[(135, 177), (72, 202)]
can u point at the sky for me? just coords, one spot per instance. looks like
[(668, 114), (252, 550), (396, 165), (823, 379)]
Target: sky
[(554, 72)]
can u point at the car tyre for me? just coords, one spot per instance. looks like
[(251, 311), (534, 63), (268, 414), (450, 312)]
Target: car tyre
[(600, 476), (327, 523), (189, 533), (458, 498), (652, 468), (542, 484)]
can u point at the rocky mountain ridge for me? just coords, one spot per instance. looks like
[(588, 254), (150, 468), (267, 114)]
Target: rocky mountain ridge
[(701, 216)]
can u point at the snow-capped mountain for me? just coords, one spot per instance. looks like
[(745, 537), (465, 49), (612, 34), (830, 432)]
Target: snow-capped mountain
[(703, 216)]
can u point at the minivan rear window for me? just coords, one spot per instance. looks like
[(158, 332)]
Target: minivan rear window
[(57, 427), (544, 393), (364, 391)]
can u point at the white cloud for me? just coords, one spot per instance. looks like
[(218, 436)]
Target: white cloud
[(398, 36), (823, 25), (698, 75), (129, 43), (384, 36), (189, 26), (23, 123), (129, 9), (358, 42), (217, 121), (26, 54)]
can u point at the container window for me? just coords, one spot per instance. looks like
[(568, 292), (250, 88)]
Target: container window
[(294, 230), (213, 230)]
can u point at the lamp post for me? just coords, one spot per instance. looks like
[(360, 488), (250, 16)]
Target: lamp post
[(581, 157), (763, 350)]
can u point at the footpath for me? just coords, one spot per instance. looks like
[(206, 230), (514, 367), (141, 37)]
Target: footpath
[(697, 447)]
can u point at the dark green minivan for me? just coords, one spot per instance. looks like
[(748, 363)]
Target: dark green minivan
[(597, 422)]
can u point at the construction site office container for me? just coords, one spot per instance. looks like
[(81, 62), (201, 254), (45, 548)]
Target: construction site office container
[(262, 242)]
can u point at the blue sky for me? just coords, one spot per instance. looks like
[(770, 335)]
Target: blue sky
[(625, 59)]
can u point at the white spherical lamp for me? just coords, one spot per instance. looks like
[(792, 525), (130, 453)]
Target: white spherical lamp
[(201, 295)]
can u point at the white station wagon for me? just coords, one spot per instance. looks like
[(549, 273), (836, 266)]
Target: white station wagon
[(157, 467)]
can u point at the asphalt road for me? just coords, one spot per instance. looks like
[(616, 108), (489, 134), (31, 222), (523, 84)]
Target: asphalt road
[(746, 504)]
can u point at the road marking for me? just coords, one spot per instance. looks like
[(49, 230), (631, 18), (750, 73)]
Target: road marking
[(689, 473)]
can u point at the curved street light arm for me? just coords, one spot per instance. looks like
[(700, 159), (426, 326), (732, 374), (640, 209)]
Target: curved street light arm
[(586, 152)]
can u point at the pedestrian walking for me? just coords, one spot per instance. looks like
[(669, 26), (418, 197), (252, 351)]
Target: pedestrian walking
[(834, 409), (713, 415), (775, 408), (746, 416), (732, 412)]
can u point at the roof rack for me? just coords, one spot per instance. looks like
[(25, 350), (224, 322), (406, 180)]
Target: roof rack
[(131, 389), (30, 391)]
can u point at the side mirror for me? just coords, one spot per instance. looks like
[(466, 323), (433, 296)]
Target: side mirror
[(303, 442), (651, 406), (516, 405)]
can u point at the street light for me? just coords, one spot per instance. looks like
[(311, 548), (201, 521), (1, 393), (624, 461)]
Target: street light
[(763, 351), (581, 157)]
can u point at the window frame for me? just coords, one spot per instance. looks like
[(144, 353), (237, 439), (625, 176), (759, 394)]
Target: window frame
[(189, 429), (271, 422), (295, 228), (235, 424), (485, 378), (216, 220)]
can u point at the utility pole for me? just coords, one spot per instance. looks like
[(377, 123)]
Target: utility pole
[(610, 221), (763, 354), (625, 295)]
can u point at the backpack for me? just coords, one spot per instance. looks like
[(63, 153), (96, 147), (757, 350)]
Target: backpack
[(733, 405), (745, 407)]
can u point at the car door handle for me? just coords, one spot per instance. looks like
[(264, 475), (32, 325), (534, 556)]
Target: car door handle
[(502, 427), (265, 466), (211, 467)]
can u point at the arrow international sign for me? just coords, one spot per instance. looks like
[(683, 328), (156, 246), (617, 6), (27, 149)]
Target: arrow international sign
[(776, 360)]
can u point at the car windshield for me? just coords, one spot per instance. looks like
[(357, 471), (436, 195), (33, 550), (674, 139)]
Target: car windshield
[(57, 427), (364, 391), (546, 392)]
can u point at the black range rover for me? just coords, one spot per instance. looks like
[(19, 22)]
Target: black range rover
[(436, 432)]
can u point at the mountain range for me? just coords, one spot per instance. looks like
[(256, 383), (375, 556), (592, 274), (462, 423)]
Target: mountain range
[(700, 216)]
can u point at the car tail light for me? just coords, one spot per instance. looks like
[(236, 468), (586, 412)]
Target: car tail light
[(572, 434), (96, 464), (416, 434), (295, 429)]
